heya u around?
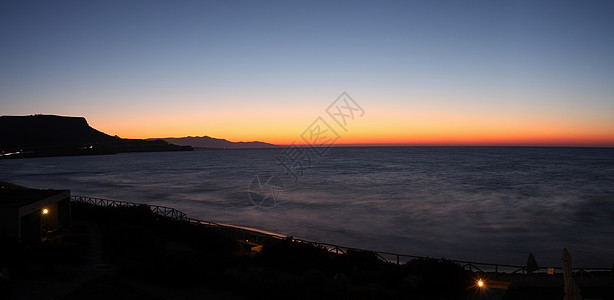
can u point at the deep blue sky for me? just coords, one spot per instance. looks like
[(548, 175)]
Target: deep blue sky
[(220, 67)]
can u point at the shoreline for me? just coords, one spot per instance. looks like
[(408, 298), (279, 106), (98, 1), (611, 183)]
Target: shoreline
[(332, 246)]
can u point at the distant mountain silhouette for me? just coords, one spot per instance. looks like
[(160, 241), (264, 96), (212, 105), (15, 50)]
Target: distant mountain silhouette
[(49, 135), (209, 142)]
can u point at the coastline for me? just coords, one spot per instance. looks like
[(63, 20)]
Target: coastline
[(330, 246), (130, 250)]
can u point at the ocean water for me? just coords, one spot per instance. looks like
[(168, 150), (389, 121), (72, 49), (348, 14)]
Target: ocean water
[(486, 204)]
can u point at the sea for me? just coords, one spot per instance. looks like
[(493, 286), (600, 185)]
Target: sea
[(483, 204)]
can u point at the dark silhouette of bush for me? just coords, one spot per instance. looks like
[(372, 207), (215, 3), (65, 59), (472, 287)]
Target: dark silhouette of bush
[(355, 259), (532, 264), (159, 249), (57, 251), (165, 251), (365, 267), (440, 278), (293, 256), (204, 238), (363, 258)]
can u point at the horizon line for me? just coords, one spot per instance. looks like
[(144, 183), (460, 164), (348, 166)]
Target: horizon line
[(277, 146), (453, 145)]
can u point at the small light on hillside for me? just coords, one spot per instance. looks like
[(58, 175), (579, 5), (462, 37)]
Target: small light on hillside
[(45, 211)]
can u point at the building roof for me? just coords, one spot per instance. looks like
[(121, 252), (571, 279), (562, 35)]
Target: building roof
[(14, 196)]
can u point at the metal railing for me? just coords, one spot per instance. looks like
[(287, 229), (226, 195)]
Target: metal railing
[(157, 209), (489, 270), (259, 236), (240, 233)]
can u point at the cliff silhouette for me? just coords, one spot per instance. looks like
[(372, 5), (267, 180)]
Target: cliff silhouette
[(209, 142), (50, 135)]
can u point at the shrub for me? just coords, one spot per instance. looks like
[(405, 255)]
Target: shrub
[(291, 255), (441, 278)]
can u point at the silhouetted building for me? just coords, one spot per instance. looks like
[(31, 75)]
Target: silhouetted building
[(26, 214)]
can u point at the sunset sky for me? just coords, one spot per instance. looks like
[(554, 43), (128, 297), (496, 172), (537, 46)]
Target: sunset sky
[(424, 72)]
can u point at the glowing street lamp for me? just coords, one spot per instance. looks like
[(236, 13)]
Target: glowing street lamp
[(480, 283), (45, 211)]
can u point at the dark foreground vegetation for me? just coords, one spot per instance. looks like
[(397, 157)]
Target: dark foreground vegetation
[(147, 253), (173, 253)]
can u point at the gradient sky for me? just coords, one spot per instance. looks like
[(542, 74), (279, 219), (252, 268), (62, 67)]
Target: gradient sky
[(436, 72)]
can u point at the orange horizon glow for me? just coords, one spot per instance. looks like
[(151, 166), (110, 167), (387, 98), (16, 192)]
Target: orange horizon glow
[(394, 138), (411, 139), (385, 126)]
